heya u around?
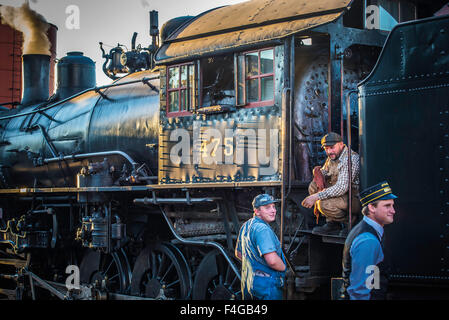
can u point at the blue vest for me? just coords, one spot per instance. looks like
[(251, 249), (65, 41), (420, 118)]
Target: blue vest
[(375, 294)]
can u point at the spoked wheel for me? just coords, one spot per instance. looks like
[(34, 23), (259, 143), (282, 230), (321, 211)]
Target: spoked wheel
[(215, 279), (109, 271), (161, 272)]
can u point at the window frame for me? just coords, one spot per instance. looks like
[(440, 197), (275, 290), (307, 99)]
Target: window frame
[(259, 76), (188, 89)]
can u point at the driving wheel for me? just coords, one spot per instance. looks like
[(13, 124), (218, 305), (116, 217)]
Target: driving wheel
[(215, 279), (161, 272), (109, 271)]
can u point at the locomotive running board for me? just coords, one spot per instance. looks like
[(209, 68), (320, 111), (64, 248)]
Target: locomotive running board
[(149, 187)]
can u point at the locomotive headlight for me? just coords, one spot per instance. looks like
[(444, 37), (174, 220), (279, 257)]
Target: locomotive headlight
[(123, 59)]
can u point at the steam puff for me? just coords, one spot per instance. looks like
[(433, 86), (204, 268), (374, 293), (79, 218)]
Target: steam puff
[(33, 26)]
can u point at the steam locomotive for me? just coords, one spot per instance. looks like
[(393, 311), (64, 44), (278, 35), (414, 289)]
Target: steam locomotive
[(137, 189)]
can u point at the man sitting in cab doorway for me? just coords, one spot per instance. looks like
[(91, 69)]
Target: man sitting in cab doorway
[(329, 187)]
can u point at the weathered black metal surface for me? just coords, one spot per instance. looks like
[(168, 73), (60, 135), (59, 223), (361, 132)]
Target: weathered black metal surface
[(247, 23), (36, 77), (225, 147), (75, 73), (320, 53), (121, 118), (404, 119)]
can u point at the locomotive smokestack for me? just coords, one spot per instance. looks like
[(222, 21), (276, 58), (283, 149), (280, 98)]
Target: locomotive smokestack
[(36, 74), (33, 26), (36, 50)]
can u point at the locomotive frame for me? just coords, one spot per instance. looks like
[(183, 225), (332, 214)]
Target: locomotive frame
[(139, 233)]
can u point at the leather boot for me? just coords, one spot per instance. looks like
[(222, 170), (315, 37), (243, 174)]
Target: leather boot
[(344, 232), (331, 227)]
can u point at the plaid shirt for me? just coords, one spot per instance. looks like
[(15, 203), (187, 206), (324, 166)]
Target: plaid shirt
[(342, 184)]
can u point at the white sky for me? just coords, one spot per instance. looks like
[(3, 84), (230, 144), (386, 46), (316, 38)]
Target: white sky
[(111, 22)]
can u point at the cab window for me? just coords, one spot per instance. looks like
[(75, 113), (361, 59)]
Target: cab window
[(180, 89), (255, 78)]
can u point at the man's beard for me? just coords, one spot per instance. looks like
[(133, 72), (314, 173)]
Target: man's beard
[(337, 156)]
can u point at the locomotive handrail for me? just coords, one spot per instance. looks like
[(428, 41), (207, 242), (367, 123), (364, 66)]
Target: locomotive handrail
[(47, 141), (93, 154), (348, 129), (143, 80), (147, 200), (286, 93)]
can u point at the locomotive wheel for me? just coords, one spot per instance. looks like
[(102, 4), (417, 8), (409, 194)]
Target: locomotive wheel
[(215, 279), (111, 271), (161, 272)]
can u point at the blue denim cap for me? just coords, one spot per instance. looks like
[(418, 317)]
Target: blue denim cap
[(263, 200)]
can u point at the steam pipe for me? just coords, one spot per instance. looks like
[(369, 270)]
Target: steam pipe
[(197, 242), (206, 243), (93, 154), (133, 41)]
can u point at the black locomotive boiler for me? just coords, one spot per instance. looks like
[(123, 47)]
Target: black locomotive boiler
[(137, 189)]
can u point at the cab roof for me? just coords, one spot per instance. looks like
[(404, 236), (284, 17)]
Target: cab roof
[(247, 23)]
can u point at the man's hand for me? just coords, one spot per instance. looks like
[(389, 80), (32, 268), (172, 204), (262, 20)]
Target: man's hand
[(238, 254), (309, 202)]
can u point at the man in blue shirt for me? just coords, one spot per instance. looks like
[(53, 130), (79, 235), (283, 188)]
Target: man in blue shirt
[(363, 274), (259, 249)]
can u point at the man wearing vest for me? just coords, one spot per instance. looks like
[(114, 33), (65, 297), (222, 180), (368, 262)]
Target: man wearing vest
[(330, 185), (259, 249), (363, 252)]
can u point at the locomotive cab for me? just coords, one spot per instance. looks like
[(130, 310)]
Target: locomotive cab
[(292, 73), (260, 90)]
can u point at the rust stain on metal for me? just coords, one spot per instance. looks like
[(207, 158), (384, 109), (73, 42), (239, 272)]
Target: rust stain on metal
[(244, 37), (257, 11), (249, 23)]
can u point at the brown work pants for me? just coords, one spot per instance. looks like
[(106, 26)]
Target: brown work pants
[(336, 209)]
